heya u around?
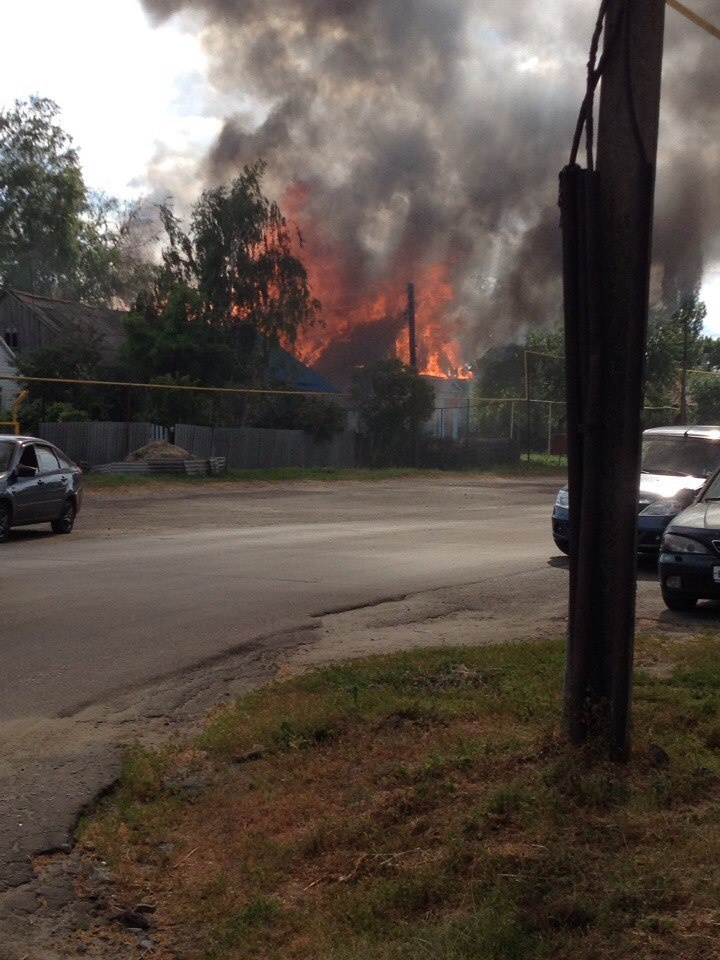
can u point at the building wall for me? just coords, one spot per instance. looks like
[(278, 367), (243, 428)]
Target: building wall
[(20, 328), (8, 388)]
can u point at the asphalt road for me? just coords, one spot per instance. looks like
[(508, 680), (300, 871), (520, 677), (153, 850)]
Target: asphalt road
[(148, 586), (163, 601)]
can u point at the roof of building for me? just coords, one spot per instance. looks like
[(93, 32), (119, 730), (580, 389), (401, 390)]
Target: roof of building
[(7, 350), (60, 315), (287, 369)]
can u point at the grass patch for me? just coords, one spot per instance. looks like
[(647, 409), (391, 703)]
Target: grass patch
[(270, 475), (93, 480), (424, 805)]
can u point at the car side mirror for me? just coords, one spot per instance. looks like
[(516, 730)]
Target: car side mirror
[(686, 496), (24, 470)]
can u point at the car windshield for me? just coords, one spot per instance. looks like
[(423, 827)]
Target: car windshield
[(680, 456), (6, 453)]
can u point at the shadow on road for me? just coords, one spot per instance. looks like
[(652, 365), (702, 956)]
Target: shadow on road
[(25, 535), (646, 566), (707, 611)]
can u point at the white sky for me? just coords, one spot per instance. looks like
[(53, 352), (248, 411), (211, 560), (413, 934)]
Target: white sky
[(126, 90), (123, 87)]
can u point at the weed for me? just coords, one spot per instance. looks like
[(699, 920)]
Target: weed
[(424, 806)]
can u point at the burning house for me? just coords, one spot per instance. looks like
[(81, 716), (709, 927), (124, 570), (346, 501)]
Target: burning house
[(29, 322)]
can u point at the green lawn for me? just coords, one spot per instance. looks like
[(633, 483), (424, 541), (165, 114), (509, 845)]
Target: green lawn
[(537, 467), (425, 805)]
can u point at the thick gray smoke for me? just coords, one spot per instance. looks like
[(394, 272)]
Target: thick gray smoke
[(430, 131)]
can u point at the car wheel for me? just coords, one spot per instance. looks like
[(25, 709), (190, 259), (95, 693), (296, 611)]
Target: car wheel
[(678, 601), (563, 546), (66, 520), (4, 522)]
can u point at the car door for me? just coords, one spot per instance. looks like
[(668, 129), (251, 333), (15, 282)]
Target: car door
[(27, 491), (52, 482)]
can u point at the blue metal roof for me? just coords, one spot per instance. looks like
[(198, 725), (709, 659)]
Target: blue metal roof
[(295, 375)]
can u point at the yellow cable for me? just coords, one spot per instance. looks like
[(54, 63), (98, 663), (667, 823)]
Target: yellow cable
[(694, 18), (174, 386)]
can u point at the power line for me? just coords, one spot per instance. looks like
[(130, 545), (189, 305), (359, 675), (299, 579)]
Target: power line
[(694, 18)]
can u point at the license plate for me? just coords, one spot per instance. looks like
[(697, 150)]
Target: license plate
[(716, 574)]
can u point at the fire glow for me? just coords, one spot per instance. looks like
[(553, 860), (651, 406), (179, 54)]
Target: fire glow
[(382, 312)]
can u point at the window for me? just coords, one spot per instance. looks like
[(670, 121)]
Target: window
[(28, 458), (11, 339), (47, 460), (7, 451)]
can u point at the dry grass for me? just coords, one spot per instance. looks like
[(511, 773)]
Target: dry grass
[(424, 806)]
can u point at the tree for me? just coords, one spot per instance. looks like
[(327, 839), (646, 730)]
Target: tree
[(392, 401), (170, 336), (672, 335), (56, 237), (319, 417), (230, 290), (501, 372), (238, 254), (77, 354), (42, 199)]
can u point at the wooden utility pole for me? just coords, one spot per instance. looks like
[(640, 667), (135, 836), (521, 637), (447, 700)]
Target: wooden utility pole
[(606, 307), (411, 324)]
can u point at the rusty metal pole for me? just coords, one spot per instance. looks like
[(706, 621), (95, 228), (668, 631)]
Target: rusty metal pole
[(600, 647)]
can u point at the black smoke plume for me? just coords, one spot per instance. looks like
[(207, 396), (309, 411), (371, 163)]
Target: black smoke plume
[(434, 130)]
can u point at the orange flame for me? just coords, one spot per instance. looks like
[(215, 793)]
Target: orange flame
[(439, 353)]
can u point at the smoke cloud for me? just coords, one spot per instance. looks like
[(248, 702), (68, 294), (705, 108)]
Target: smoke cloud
[(428, 131)]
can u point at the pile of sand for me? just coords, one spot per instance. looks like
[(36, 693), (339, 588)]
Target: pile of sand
[(159, 450)]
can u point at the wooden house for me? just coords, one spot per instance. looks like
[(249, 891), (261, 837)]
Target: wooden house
[(28, 322), (9, 389)]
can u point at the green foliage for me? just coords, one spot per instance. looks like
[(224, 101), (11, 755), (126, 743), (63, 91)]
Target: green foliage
[(230, 289), (320, 417), (168, 407), (704, 397), (665, 348), (672, 332), (502, 373), (238, 255), (77, 354), (172, 337), (42, 198), (56, 237), (393, 401)]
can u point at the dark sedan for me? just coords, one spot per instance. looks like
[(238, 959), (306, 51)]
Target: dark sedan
[(690, 552), (38, 484)]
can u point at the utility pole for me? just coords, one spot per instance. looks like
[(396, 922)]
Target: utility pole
[(607, 233), (411, 324)]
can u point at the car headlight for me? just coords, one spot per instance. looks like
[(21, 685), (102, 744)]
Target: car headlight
[(674, 543), (562, 499), (662, 508)]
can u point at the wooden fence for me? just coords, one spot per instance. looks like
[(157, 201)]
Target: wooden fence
[(94, 442), (251, 448), (244, 448)]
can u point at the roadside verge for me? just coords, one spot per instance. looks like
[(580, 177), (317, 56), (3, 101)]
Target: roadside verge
[(421, 804)]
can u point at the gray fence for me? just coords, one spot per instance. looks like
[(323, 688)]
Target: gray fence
[(243, 447), (95, 442), (251, 448)]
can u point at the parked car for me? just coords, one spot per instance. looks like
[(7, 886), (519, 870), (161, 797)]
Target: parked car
[(689, 566), (38, 484), (676, 462)]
